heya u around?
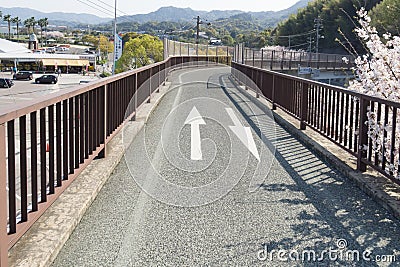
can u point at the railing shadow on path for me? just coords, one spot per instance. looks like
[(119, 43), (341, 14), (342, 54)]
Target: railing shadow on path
[(343, 211)]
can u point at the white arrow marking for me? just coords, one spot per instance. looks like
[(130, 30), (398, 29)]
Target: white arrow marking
[(243, 133), (195, 119)]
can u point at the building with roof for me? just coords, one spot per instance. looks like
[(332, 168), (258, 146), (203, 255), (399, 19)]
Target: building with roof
[(12, 47), (15, 55)]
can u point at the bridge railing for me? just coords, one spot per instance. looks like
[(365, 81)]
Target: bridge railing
[(334, 112), (45, 144), (290, 59), (175, 48)]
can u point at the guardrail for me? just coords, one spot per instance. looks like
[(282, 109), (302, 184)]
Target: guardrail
[(175, 48), (334, 112), (46, 144), (290, 59)]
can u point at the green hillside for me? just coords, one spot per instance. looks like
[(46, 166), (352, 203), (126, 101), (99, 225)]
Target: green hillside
[(334, 14), (385, 16)]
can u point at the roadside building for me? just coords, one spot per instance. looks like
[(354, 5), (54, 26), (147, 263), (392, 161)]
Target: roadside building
[(14, 55)]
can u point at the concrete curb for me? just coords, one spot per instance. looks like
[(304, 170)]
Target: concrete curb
[(381, 189), (43, 241)]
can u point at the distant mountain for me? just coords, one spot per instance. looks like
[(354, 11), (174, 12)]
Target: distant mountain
[(57, 18), (175, 14), (163, 14), (270, 18)]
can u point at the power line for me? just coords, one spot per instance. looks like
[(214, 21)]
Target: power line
[(296, 35), (102, 7), (113, 7), (94, 7), (105, 10)]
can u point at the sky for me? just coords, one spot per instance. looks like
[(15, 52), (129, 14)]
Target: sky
[(102, 8)]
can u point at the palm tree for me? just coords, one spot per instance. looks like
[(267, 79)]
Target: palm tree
[(17, 20), (46, 23), (43, 24), (8, 19), (27, 24), (31, 22)]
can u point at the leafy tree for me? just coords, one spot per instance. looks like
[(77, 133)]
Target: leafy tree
[(140, 51), (227, 40), (90, 39), (335, 15), (385, 16), (105, 46)]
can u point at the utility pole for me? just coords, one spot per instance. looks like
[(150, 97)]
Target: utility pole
[(198, 23), (115, 34), (318, 25), (198, 29)]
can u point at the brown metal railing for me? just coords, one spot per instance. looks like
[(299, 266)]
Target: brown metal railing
[(336, 113), (290, 59), (45, 145), (175, 48)]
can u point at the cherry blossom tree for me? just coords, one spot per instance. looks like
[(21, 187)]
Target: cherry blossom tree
[(378, 75)]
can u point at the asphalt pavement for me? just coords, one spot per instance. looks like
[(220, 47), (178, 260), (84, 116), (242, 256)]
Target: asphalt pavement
[(24, 91), (212, 181)]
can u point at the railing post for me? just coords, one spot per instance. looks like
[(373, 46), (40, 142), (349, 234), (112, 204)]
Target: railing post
[(254, 58), (362, 135), (166, 48), (272, 59), (3, 199), (149, 100), (103, 153), (304, 106), (136, 93), (273, 93), (258, 76), (159, 80), (334, 63), (262, 58)]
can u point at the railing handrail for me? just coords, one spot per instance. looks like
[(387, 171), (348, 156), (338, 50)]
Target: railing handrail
[(328, 86), (73, 126), (18, 110)]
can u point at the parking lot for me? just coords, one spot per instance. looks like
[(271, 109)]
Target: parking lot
[(23, 90)]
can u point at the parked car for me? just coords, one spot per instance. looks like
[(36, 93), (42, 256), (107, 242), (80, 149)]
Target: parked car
[(23, 75), (50, 50), (39, 51), (46, 79), (6, 83)]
